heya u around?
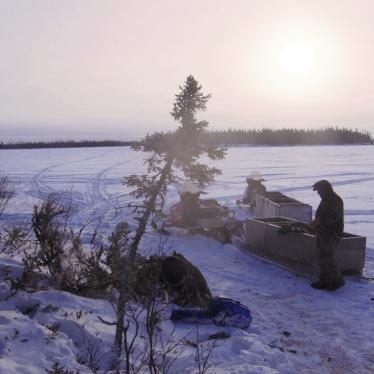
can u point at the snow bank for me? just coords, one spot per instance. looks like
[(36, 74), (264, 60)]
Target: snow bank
[(295, 328)]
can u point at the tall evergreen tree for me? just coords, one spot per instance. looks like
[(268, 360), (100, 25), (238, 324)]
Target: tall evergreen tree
[(167, 153)]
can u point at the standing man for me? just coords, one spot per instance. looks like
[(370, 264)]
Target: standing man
[(329, 226)]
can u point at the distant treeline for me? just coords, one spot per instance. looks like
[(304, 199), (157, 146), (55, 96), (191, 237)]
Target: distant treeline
[(329, 135), (65, 144)]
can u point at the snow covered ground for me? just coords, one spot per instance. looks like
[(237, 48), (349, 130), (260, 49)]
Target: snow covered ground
[(295, 329)]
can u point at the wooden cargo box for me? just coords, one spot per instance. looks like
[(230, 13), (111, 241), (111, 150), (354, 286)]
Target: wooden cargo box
[(297, 249), (274, 204)]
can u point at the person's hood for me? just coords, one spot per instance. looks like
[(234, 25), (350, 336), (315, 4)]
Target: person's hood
[(324, 187)]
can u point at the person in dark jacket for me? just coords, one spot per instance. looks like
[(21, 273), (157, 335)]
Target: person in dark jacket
[(329, 226), (254, 188)]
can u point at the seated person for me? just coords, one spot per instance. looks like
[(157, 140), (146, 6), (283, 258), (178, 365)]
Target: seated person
[(254, 188), (191, 207)]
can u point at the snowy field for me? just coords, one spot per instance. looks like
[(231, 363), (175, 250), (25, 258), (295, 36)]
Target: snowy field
[(295, 328)]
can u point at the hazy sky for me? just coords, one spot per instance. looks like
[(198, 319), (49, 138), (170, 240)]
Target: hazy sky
[(106, 68)]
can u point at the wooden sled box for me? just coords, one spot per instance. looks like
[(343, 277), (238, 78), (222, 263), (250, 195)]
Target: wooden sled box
[(274, 204), (298, 250)]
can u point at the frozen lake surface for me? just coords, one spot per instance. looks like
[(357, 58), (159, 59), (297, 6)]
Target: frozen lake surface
[(92, 177), (295, 328)]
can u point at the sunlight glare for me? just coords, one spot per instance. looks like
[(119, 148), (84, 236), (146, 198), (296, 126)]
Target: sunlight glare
[(297, 58)]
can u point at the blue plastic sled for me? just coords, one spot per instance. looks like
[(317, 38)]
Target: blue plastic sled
[(221, 311)]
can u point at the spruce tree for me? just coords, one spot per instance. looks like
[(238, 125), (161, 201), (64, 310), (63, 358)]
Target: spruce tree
[(167, 153)]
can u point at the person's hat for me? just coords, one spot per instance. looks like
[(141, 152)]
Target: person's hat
[(322, 185), (190, 187), (256, 176)]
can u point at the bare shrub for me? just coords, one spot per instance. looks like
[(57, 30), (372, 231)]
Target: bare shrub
[(92, 353), (56, 368), (59, 252), (203, 353), (8, 235), (147, 347), (51, 236), (13, 239), (7, 191)]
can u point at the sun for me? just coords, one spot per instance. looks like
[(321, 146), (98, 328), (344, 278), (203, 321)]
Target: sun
[(297, 58)]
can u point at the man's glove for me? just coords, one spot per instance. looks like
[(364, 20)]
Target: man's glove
[(314, 224)]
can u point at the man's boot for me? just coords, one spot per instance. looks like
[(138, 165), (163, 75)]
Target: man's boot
[(333, 286), (320, 285)]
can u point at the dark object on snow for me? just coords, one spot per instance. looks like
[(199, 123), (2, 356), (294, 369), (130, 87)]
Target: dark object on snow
[(219, 335), (333, 286), (220, 311), (319, 285), (329, 286), (184, 281)]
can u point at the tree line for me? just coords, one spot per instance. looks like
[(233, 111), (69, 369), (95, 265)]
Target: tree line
[(265, 136), (288, 136), (65, 144)]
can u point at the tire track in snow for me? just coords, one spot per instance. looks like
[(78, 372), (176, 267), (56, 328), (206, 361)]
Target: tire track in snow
[(284, 176), (97, 196), (41, 190), (38, 188), (336, 183), (369, 212)]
